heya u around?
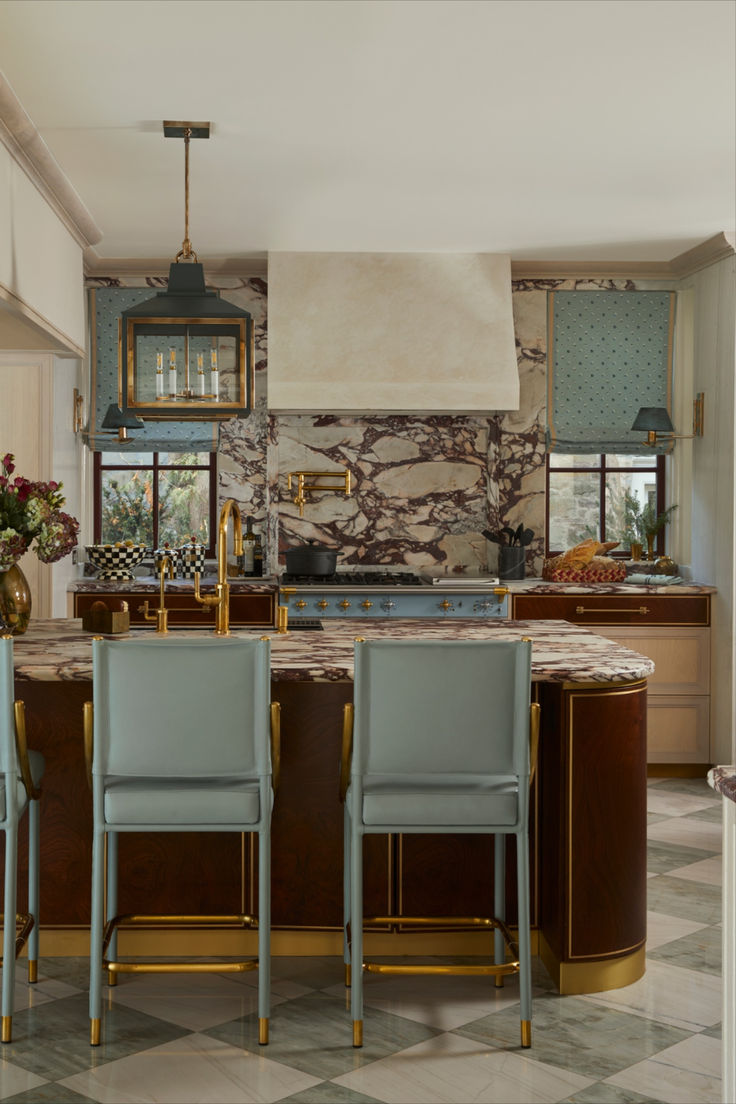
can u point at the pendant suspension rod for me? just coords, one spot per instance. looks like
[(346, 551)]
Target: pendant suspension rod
[(186, 250)]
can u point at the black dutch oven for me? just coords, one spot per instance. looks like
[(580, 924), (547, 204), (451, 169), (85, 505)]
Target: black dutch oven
[(311, 558)]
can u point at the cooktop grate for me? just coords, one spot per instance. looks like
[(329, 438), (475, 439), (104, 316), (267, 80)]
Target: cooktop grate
[(354, 578)]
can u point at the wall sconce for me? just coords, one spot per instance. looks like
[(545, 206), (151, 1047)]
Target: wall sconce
[(120, 422), (303, 488), (78, 412), (657, 424)]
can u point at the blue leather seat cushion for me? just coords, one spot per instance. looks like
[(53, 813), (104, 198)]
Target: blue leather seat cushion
[(181, 801), (440, 800), (36, 763)]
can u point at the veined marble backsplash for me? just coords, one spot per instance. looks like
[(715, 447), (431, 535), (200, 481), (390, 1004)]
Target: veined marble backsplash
[(424, 487)]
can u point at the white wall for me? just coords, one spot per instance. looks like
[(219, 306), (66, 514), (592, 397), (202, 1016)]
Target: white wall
[(714, 483)]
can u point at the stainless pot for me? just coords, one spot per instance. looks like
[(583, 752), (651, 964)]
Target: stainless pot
[(311, 558)]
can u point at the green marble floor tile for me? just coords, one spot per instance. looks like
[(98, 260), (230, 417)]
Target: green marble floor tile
[(313, 1034), (576, 1035), (713, 814), (73, 971), (327, 1093), (608, 1094), (689, 900), (52, 1040), (662, 857), (714, 1032), (699, 951), (48, 1094)]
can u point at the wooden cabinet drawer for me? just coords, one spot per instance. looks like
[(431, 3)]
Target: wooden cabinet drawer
[(614, 609), (681, 658), (257, 609), (678, 729)]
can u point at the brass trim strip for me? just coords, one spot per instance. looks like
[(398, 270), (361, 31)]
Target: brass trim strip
[(592, 977)]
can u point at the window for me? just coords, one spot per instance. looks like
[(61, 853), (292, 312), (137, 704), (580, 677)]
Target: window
[(586, 497), (154, 498)]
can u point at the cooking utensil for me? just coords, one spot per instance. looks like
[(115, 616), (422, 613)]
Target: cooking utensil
[(311, 558)]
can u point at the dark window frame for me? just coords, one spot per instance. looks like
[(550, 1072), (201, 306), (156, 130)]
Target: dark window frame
[(657, 468), (156, 468)]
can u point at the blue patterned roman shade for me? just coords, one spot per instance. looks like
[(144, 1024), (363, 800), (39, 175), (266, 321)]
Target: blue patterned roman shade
[(609, 353), (106, 306)]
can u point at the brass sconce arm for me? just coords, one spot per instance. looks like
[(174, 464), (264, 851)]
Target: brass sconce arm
[(656, 423), (303, 487)]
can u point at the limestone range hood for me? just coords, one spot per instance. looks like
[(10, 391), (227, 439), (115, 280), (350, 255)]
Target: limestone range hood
[(360, 333)]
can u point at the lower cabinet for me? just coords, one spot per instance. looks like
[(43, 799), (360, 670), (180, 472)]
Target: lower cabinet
[(672, 631), (246, 609)]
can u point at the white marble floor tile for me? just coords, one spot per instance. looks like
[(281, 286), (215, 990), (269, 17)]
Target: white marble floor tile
[(14, 1080), (675, 804), (688, 1072), (683, 998), (448, 1069), (192, 1070), (709, 871), (441, 1002), (690, 833), (193, 1002), (663, 929)]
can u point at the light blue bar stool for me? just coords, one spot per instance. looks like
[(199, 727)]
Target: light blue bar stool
[(20, 776), (181, 737), (441, 737)]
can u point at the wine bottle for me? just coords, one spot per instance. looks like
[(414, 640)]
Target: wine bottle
[(249, 546), (258, 555)]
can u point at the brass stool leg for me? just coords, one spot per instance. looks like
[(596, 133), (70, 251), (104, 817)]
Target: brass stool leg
[(7, 1029), (263, 1032), (94, 1032), (32, 971), (526, 1033), (357, 1033), (348, 977)]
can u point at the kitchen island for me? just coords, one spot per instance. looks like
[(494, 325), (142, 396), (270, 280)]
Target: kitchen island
[(588, 824)]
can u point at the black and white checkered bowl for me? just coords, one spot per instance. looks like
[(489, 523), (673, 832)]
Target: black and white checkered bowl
[(115, 561)]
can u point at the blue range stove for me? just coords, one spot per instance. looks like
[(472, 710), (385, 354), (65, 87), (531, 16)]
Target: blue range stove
[(382, 593)]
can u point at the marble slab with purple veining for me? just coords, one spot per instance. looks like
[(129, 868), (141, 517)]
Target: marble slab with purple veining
[(144, 584), (540, 586), (723, 780), (57, 650)]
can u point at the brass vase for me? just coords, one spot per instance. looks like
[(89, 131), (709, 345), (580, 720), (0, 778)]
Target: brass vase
[(636, 551), (650, 545), (15, 601)]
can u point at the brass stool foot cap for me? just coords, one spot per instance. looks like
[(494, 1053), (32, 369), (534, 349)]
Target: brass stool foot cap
[(348, 977), (357, 1033), (32, 971), (7, 1029), (94, 1032), (526, 1033), (112, 977), (499, 981), (262, 1031)]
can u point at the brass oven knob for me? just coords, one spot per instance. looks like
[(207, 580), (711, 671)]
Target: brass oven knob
[(445, 605), (367, 604), (301, 604), (322, 604), (344, 604)]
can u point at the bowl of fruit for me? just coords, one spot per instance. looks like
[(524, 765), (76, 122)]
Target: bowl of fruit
[(115, 561)]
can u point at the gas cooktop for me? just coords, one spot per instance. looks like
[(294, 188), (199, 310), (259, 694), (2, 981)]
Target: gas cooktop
[(378, 577)]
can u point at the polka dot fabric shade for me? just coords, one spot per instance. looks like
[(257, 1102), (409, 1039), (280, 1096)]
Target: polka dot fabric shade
[(609, 354)]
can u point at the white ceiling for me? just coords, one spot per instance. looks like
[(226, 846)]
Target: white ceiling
[(548, 129)]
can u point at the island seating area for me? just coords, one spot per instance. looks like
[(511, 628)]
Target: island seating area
[(587, 824)]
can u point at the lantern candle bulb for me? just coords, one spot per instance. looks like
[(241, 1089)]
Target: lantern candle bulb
[(172, 373), (200, 373), (159, 375), (214, 374)]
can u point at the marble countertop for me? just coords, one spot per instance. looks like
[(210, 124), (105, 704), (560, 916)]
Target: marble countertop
[(723, 780), (540, 586), (144, 584), (59, 650)]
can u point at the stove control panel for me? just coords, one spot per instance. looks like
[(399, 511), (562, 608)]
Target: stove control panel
[(311, 600)]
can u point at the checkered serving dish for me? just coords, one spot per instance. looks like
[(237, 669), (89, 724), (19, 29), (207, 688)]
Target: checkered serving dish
[(115, 561)]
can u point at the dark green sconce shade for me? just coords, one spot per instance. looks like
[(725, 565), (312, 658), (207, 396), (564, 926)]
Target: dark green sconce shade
[(120, 421), (653, 418)]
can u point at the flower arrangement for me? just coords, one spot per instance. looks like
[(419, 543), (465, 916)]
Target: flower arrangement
[(31, 512)]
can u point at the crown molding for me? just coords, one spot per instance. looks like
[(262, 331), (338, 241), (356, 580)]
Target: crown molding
[(28, 149), (692, 260), (233, 267)]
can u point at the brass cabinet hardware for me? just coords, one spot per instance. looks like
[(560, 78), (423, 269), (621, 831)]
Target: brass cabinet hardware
[(587, 609)]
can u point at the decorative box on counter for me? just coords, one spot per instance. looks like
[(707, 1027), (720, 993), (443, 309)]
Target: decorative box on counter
[(107, 617)]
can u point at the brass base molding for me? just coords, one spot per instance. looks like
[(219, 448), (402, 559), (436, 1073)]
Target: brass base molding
[(592, 977)]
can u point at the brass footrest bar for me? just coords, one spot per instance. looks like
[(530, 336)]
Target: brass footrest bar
[(487, 969), (131, 922), (24, 921), (487, 923), (490, 923)]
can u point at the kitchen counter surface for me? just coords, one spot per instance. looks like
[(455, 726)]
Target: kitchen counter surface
[(151, 583), (59, 650), (723, 781), (540, 586)]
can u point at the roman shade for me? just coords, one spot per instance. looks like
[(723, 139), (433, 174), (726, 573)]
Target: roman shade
[(609, 353)]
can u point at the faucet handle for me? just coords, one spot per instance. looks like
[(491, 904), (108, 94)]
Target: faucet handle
[(204, 599)]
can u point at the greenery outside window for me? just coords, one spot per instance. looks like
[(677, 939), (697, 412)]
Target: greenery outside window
[(154, 498), (586, 497)]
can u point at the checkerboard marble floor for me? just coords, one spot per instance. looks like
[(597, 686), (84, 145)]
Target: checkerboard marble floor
[(187, 1039)]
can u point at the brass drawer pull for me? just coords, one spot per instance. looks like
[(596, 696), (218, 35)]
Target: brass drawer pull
[(642, 610)]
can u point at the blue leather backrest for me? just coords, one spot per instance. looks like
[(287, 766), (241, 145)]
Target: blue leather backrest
[(442, 707), (8, 760), (181, 707)]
